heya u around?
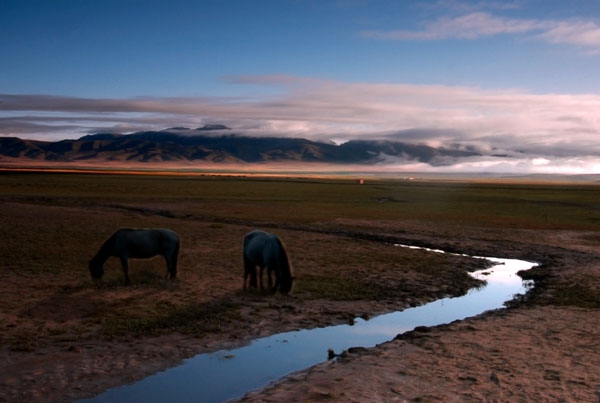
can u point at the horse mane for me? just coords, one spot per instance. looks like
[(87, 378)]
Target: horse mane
[(284, 261), (283, 257), (107, 247)]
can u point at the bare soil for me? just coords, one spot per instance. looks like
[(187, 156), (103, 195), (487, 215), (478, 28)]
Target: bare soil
[(65, 337), (536, 354), (541, 349)]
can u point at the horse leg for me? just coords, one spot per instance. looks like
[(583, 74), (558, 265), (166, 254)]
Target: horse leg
[(171, 265), (125, 266), (174, 259), (276, 286), (270, 278), (260, 277), (249, 270)]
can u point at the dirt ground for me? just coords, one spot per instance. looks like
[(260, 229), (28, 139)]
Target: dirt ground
[(65, 338), (530, 352)]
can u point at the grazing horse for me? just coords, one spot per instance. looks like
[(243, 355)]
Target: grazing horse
[(128, 243), (266, 250)]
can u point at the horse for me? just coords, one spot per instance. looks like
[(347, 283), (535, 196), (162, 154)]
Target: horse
[(128, 243), (263, 249)]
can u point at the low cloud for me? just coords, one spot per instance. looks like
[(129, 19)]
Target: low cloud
[(513, 124), (23, 126)]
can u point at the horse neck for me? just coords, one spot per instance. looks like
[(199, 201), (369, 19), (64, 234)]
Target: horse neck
[(105, 251), (284, 262)]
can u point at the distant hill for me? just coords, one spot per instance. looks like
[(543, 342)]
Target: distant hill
[(168, 146), (213, 127)]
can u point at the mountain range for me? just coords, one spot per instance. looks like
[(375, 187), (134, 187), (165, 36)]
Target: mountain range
[(195, 145)]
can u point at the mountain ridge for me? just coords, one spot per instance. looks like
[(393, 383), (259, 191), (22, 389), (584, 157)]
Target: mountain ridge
[(169, 146)]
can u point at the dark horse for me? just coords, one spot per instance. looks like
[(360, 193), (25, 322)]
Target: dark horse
[(128, 243), (266, 250)]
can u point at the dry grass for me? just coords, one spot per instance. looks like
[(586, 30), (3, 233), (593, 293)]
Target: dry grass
[(48, 296), (52, 224)]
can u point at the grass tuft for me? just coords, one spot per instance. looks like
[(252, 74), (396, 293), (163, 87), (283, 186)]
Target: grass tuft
[(339, 288), (196, 319), (576, 295)]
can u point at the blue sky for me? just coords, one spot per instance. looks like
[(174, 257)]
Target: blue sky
[(163, 48), (507, 77)]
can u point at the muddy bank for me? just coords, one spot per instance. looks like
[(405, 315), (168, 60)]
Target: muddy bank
[(526, 354), (542, 348), (77, 369), (225, 375)]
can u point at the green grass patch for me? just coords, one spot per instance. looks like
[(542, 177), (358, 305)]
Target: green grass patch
[(565, 206), (559, 292), (144, 278), (576, 295), (196, 319), (24, 341), (338, 288)]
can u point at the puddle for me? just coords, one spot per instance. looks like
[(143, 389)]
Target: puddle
[(229, 374)]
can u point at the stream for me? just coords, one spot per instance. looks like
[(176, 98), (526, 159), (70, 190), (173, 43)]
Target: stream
[(230, 374)]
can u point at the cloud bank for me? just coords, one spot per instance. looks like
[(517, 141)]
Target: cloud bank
[(516, 129)]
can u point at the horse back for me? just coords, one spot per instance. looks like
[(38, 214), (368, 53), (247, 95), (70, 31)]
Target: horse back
[(254, 246), (262, 248), (272, 250), (145, 243)]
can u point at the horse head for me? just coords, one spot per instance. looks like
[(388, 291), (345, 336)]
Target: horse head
[(285, 273), (96, 269), (285, 286)]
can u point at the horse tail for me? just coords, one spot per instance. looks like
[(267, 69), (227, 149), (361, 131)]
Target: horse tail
[(285, 269)]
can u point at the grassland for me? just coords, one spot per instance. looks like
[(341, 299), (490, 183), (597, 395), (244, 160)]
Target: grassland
[(53, 224), (498, 204), (339, 234)]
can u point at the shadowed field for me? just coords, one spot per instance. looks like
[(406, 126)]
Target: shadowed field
[(339, 235), (54, 225)]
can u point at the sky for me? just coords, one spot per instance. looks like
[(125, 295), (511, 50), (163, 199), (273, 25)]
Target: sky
[(515, 80)]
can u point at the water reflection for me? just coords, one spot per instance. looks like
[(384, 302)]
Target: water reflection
[(229, 374)]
